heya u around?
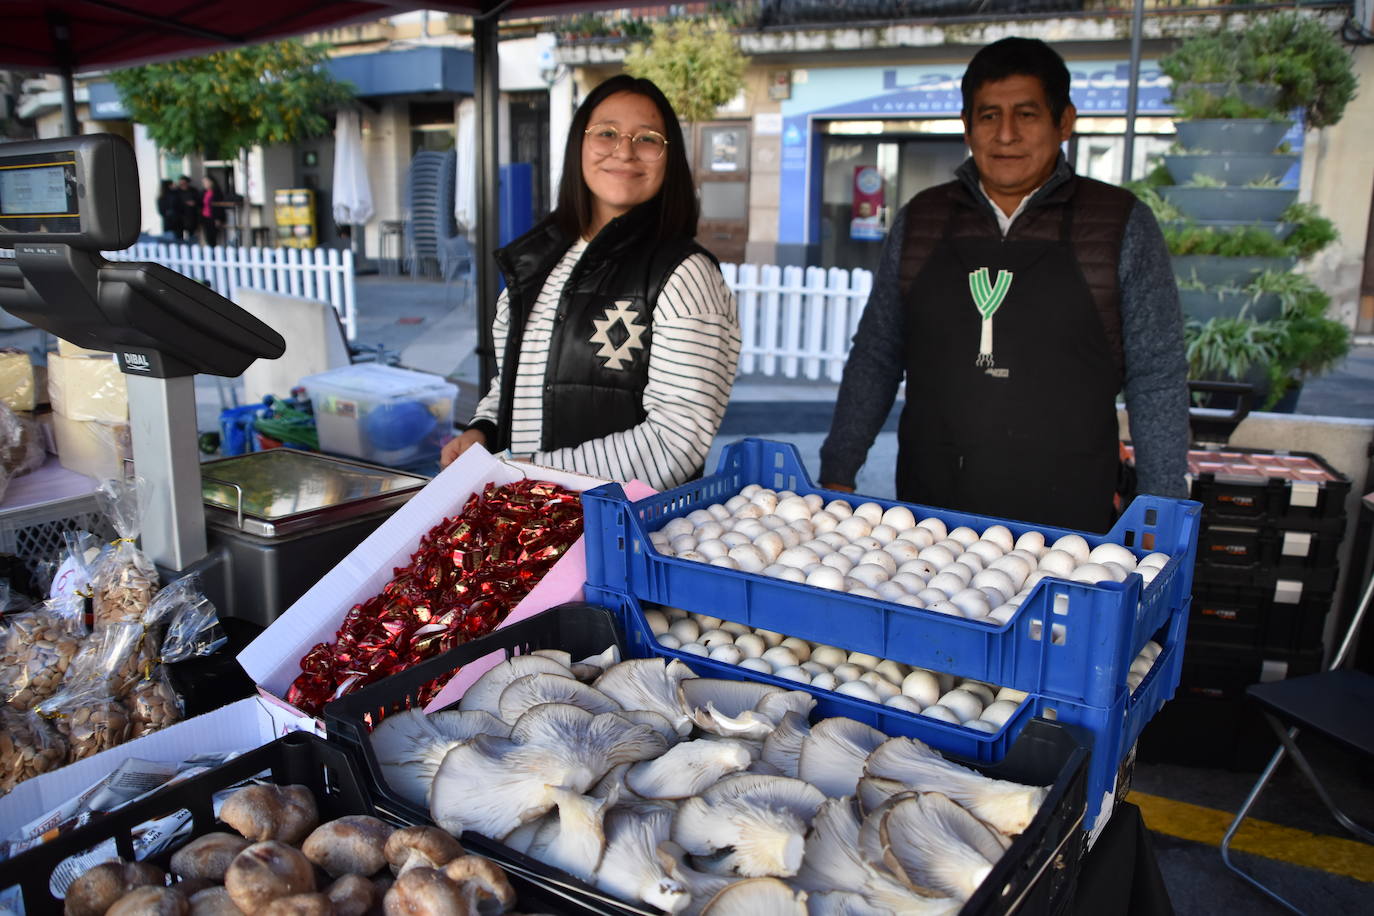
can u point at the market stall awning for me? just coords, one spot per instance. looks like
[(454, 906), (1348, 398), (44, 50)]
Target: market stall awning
[(105, 35)]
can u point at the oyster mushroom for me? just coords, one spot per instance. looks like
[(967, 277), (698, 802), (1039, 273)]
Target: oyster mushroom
[(757, 897), (492, 785), (654, 720), (575, 838), (833, 864), (485, 692), (524, 693), (833, 754), (647, 683), (592, 667), (687, 768), (410, 745), (700, 885), (872, 792), (757, 823), (561, 656), (728, 707), (1007, 806), (782, 747), (930, 842), (630, 867)]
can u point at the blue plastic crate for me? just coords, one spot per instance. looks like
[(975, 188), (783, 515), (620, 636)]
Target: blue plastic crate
[(1109, 732), (1096, 631)]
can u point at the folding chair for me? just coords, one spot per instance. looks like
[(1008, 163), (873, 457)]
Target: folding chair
[(1334, 703)]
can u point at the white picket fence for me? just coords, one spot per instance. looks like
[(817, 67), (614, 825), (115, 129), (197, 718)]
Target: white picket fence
[(796, 322), (316, 273)]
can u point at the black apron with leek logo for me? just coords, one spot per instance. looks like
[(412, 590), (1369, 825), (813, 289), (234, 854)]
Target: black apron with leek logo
[(1011, 387)]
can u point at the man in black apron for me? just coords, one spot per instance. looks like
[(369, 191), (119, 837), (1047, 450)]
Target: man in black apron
[(1017, 301)]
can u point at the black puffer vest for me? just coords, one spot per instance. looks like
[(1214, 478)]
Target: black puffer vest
[(1100, 213), (598, 363)]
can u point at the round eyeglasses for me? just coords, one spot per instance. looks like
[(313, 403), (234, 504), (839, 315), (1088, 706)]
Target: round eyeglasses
[(604, 140)]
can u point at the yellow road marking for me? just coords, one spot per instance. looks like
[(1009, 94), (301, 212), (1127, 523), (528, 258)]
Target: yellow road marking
[(1208, 825)]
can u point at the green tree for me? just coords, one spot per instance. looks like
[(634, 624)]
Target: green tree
[(697, 64), (221, 105)]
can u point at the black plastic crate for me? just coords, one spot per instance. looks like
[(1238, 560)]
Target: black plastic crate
[(1287, 586), (1036, 876), (299, 758), (1250, 618), (1276, 501), (1280, 549), (1210, 722)]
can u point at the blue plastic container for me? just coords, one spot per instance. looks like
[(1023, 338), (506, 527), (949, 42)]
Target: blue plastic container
[(1096, 631), (1109, 732)]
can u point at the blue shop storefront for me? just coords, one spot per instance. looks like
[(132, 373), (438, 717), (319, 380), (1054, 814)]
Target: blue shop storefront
[(858, 142)]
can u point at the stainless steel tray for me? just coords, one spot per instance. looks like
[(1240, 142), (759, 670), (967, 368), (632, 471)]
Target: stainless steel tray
[(284, 491)]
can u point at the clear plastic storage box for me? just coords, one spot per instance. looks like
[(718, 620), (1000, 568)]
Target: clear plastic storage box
[(382, 414)]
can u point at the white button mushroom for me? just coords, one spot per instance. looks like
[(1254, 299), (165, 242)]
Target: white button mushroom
[(1059, 563), (890, 590), (900, 518), (793, 508), (863, 660), (838, 562), (869, 575), (982, 691), (997, 579), (686, 629), (718, 512), (823, 522), (839, 508), (859, 691), (735, 539), (800, 647), (1033, 541), (830, 656), (1015, 567), (941, 713), (929, 596), (793, 575), (770, 637), (770, 545), (971, 602), (894, 671), (883, 534), (695, 648), (1119, 572), (756, 664), (677, 526), (683, 543), (1112, 553), (825, 681), (867, 544), (919, 567), (939, 556), (814, 668), (1092, 573), (725, 563), (881, 685), (963, 704), (880, 558), (1012, 695), (964, 535), (752, 645), (749, 491), (999, 535), (851, 552), (869, 512), (859, 590), (1159, 560), (1002, 614), (1074, 546), (974, 562), (856, 526), (657, 622), (669, 641), (716, 637), (902, 551), (728, 654), (949, 583), (699, 517), (832, 539), (814, 501), (736, 503), (979, 725), (749, 527), (774, 522), (945, 607), (903, 702), (921, 537), (922, 686), (798, 557), (794, 673), (986, 551), (847, 671), (780, 657), (765, 500), (910, 582)]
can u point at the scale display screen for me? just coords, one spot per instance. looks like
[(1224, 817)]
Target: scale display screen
[(40, 195)]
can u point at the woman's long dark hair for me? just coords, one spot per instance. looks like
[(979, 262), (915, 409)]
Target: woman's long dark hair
[(677, 199)]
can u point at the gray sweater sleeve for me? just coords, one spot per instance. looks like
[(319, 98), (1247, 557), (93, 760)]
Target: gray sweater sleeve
[(1156, 386), (873, 371)]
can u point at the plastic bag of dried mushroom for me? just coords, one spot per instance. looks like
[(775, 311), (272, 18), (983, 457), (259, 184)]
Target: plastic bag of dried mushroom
[(277, 858), (38, 648), (126, 580)]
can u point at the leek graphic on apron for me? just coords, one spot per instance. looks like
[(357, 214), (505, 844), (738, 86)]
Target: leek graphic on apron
[(987, 297)]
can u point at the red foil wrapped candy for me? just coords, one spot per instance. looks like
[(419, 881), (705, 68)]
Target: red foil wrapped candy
[(466, 575)]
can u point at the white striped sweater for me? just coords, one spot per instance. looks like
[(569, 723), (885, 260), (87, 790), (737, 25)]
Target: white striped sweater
[(692, 361)]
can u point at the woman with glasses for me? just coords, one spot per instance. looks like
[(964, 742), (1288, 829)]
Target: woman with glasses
[(616, 336)]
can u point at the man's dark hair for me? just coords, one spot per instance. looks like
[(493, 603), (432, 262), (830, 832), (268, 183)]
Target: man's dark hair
[(677, 199), (1019, 57), (184, 178)]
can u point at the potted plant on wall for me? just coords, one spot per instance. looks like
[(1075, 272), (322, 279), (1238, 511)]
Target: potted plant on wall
[(1235, 234)]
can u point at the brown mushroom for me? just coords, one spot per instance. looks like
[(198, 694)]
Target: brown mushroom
[(265, 871), (100, 888), (353, 895), (430, 847), (494, 893), (207, 856), (352, 845), (283, 813), (151, 901), (428, 892), (299, 905), (213, 901)]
